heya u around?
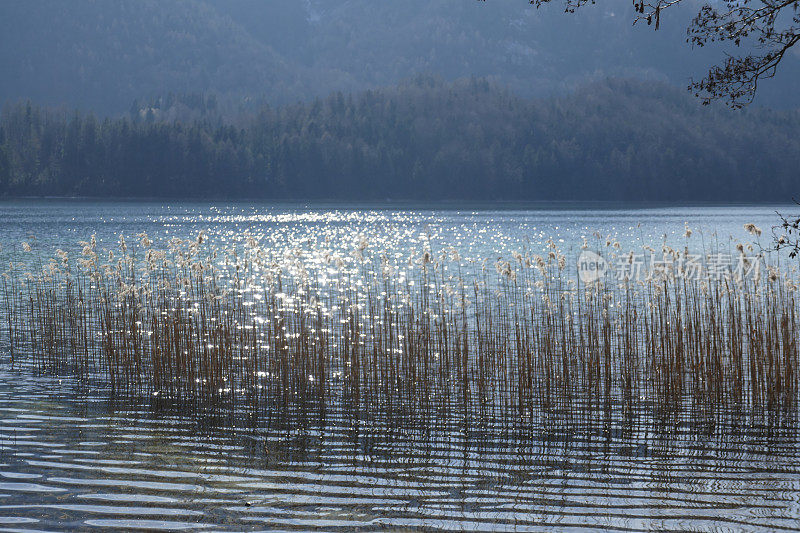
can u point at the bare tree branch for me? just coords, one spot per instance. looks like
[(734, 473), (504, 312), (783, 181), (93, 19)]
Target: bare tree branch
[(769, 27)]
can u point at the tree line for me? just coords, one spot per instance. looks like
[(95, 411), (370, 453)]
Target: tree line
[(424, 139)]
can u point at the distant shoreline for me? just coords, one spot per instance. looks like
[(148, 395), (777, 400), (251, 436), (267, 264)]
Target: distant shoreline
[(479, 204), (465, 142)]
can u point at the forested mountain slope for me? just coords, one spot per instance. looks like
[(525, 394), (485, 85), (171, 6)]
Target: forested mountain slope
[(422, 140)]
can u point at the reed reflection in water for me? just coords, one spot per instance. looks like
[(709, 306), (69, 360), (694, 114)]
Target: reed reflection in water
[(72, 460)]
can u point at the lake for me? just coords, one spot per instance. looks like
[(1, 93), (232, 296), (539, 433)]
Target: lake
[(75, 456)]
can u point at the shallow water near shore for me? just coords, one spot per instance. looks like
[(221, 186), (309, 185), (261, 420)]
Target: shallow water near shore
[(69, 460), (74, 457)]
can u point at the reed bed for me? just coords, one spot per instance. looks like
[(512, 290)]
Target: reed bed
[(507, 340)]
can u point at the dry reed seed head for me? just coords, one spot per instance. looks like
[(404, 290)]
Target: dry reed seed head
[(388, 270), (63, 256), (425, 258), (704, 288), (50, 268), (144, 240), (361, 245), (773, 273), (174, 244), (122, 245), (687, 231), (26, 247), (752, 229), (498, 266)]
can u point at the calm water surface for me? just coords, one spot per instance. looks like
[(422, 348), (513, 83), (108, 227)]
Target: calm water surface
[(72, 458)]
